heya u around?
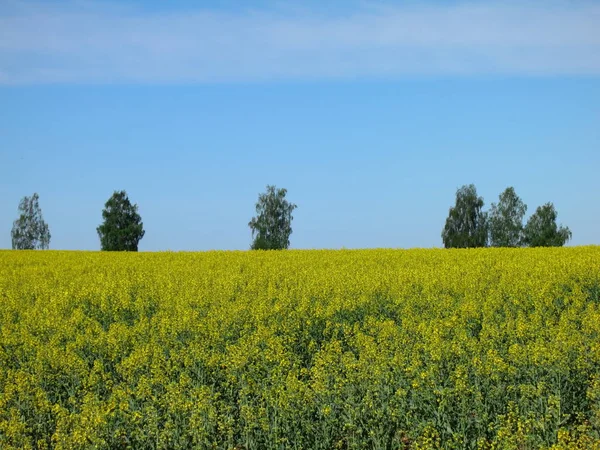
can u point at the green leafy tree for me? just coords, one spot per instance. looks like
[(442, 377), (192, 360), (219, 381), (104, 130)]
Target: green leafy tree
[(272, 226), (506, 220), (122, 228), (466, 225), (29, 231), (541, 229)]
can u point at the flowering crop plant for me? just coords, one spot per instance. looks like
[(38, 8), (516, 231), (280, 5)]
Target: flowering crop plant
[(315, 349)]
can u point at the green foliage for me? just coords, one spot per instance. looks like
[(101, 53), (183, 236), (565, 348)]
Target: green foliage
[(506, 220), (122, 228), (29, 231), (542, 231), (466, 225), (272, 226)]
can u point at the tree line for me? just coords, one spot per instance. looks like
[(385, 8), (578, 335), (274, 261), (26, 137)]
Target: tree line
[(122, 227), (467, 224)]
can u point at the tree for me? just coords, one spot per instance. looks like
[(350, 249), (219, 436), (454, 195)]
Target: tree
[(122, 228), (541, 229), (272, 226), (506, 220), (29, 231), (466, 225)]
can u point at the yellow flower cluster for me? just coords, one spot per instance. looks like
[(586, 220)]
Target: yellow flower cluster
[(351, 349)]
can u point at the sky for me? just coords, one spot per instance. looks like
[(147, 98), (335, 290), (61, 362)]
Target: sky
[(370, 114)]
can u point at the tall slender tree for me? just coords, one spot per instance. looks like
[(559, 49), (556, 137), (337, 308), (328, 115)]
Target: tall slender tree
[(29, 231), (506, 220), (466, 225), (272, 225)]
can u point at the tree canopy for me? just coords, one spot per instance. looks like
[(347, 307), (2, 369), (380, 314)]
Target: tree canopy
[(506, 220), (122, 228), (542, 230), (29, 231), (466, 225), (272, 225)]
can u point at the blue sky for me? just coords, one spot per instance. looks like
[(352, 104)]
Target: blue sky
[(370, 114)]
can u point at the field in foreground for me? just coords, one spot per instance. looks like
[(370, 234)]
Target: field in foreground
[(380, 349)]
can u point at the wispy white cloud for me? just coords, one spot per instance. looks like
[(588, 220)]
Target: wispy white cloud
[(93, 42)]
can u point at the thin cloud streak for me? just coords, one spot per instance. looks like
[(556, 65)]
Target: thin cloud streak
[(98, 43)]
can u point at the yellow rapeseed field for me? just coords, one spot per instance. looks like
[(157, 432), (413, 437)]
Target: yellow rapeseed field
[(365, 349)]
